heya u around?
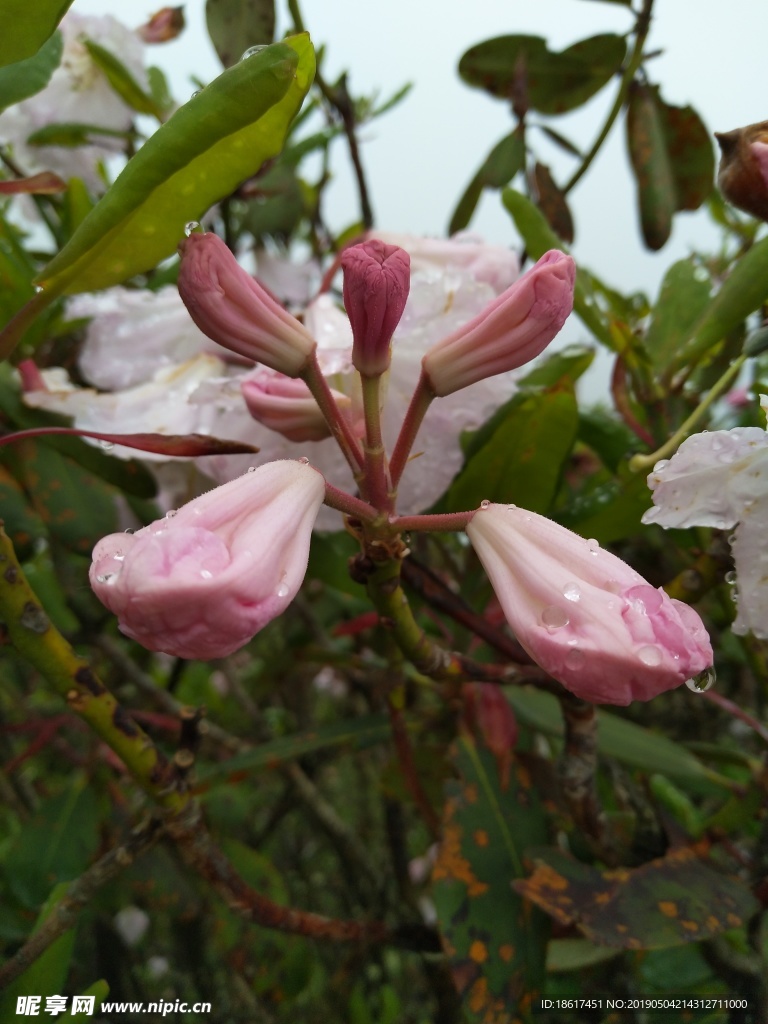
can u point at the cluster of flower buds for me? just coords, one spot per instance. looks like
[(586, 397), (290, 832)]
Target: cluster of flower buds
[(201, 582)]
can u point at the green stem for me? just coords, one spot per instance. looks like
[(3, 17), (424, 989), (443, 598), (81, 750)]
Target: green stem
[(31, 632), (376, 483), (641, 34), (417, 410), (640, 463)]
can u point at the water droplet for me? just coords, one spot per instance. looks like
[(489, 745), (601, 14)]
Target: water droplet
[(108, 577), (206, 574), (304, 460), (575, 658), (484, 503), (613, 586), (572, 592), (650, 655), (195, 93), (282, 590), (170, 513), (554, 617), (38, 289), (251, 51), (129, 530), (702, 682), (191, 226), (251, 469), (660, 465), (159, 533), (119, 556), (107, 445), (730, 577), (593, 546), (511, 508)]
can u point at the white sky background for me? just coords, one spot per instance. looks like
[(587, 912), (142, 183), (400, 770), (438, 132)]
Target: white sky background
[(421, 155)]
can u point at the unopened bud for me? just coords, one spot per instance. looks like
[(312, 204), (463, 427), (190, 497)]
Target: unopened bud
[(510, 331), (286, 406), (743, 173), (233, 309), (376, 284)]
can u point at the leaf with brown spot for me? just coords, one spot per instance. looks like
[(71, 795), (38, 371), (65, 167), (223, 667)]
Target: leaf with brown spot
[(495, 941), (669, 901), (551, 201)]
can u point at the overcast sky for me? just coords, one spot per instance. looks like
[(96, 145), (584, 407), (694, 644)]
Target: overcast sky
[(420, 157)]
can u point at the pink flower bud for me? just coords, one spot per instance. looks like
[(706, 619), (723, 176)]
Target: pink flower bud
[(285, 405), (202, 581), (510, 331), (376, 283), (585, 616), (233, 309)]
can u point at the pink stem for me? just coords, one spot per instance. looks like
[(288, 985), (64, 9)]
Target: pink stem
[(417, 410)]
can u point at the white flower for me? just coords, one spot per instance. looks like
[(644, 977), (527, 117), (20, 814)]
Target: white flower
[(719, 479), (79, 93)]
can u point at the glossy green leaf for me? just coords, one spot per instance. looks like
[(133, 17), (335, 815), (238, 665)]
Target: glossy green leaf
[(651, 165), (495, 942), (539, 238), (521, 455), (609, 510), (122, 81), (47, 975), (553, 83), (205, 150), (607, 436), (235, 26), (27, 26), (742, 292), (670, 901), (685, 293), (499, 167), (569, 364), (356, 733), (27, 77), (621, 739), (576, 954), (71, 134), (56, 844)]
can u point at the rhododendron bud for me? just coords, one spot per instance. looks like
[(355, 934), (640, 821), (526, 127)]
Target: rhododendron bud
[(582, 614), (233, 309), (202, 581), (509, 332), (743, 171), (286, 405), (377, 278)]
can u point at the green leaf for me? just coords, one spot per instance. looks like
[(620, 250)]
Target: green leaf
[(621, 739), (27, 77), (99, 990), (22, 524), (681, 302), (201, 154), (742, 292), (494, 941), (576, 954), (47, 975), (666, 902), (651, 165), (499, 167), (359, 732), (607, 436), (553, 83), (55, 845), (235, 26), (122, 81), (539, 238), (608, 511), (27, 26), (521, 454), (552, 202), (691, 154), (569, 364), (71, 134)]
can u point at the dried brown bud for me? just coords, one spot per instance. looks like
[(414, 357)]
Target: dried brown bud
[(743, 172)]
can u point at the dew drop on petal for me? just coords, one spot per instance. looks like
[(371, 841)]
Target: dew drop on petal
[(730, 577), (484, 503), (108, 577), (613, 586), (575, 658), (206, 574), (572, 592), (192, 225), (593, 546), (304, 460), (107, 445), (282, 590), (251, 51), (554, 617), (511, 508), (650, 655), (702, 682), (170, 513), (251, 469), (119, 556), (660, 465), (129, 530)]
